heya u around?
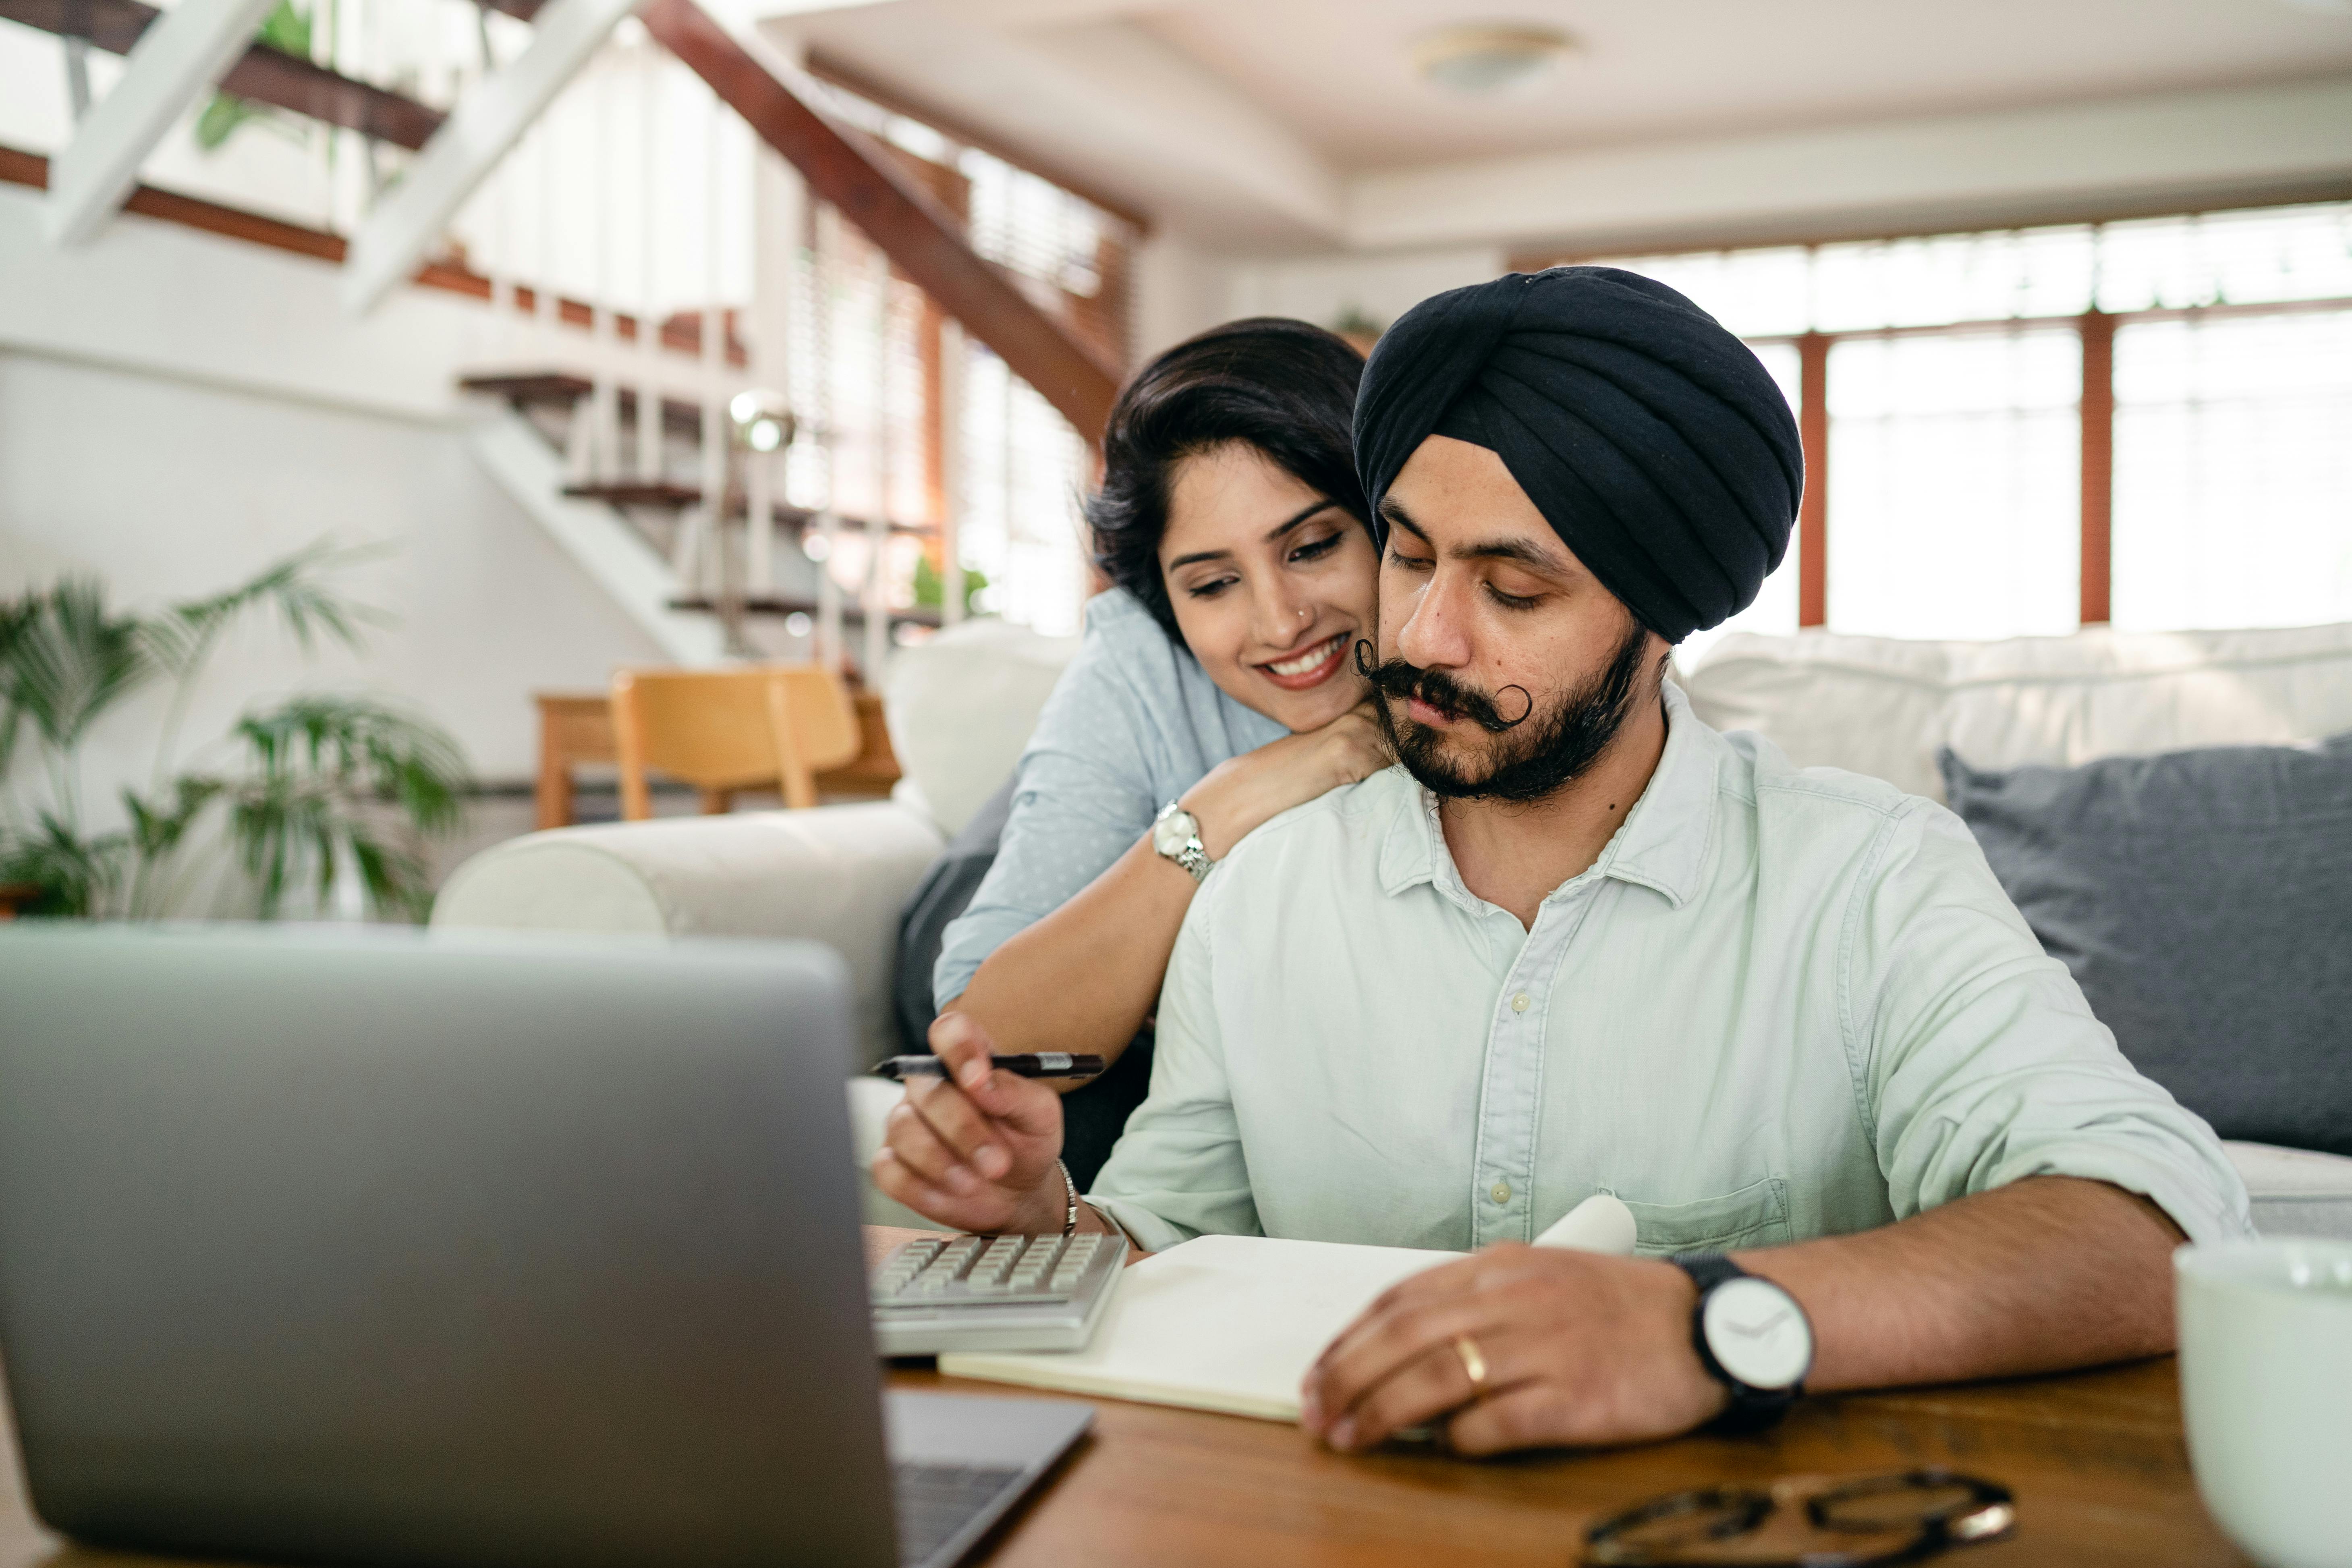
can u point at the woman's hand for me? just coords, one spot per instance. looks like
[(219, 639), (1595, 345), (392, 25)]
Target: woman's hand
[(1243, 793), (975, 1150)]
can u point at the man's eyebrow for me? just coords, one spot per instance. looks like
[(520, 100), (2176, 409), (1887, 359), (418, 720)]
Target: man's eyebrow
[(1524, 552), (1395, 514), (1276, 532)]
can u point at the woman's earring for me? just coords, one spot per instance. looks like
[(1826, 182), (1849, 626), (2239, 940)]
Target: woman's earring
[(1363, 652)]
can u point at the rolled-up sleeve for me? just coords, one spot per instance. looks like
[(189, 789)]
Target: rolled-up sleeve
[(1979, 1062), (1179, 1170), (1081, 797)]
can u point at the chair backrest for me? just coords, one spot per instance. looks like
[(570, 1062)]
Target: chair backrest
[(818, 726), (773, 726)]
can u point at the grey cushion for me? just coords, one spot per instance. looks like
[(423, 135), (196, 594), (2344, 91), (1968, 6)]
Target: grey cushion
[(2203, 900)]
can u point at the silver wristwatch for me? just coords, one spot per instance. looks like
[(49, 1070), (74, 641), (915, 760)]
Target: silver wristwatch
[(1176, 833)]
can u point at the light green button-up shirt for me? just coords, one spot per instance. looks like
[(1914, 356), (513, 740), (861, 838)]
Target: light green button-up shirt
[(1783, 1004)]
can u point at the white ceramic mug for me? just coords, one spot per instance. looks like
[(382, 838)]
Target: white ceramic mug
[(2266, 1392)]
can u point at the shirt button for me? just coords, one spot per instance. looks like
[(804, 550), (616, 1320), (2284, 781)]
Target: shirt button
[(1519, 1003), (1500, 1192)]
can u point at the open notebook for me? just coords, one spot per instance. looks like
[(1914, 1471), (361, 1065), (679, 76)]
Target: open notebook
[(1232, 1323)]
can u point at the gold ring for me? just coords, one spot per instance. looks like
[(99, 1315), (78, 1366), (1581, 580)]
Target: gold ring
[(1474, 1365)]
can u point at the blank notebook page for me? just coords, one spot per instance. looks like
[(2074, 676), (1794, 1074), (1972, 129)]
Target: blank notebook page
[(1222, 1323)]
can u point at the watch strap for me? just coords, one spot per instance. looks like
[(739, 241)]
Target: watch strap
[(1192, 854), (1752, 1409)]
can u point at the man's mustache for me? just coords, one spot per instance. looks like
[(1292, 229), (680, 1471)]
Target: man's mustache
[(1441, 692)]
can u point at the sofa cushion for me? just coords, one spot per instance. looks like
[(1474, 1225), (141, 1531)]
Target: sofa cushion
[(837, 875), (2203, 900), (1886, 706), (2294, 1191), (960, 708)]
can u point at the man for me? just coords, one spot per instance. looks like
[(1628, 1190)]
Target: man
[(1579, 943)]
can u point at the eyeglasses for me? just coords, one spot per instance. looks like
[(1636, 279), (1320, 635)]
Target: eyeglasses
[(1867, 1521)]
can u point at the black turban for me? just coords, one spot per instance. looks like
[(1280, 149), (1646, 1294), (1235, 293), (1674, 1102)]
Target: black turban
[(1652, 441)]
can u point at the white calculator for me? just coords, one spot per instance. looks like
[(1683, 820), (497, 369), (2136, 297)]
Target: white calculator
[(993, 1292)]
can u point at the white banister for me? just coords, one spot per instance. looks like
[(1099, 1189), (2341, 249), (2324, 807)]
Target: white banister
[(175, 61), (488, 120)]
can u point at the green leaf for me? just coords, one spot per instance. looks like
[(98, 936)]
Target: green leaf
[(67, 660), (288, 29), (221, 117), (75, 876), (296, 588), (326, 774), (156, 829)]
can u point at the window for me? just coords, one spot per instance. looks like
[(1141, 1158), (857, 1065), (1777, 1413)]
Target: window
[(2145, 422), (955, 427)]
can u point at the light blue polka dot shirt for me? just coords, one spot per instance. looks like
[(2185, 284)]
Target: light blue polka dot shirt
[(1134, 722)]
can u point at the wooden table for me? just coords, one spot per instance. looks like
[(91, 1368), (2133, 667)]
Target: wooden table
[(576, 727), (2095, 1459)]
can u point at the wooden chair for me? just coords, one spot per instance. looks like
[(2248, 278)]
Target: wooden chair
[(768, 726)]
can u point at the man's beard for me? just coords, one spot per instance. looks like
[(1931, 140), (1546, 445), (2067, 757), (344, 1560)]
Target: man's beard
[(1547, 752)]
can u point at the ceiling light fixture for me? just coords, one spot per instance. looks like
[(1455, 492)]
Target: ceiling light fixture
[(1489, 59)]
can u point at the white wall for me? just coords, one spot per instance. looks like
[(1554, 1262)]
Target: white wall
[(168, 490), (1382, 285), (178, 410)]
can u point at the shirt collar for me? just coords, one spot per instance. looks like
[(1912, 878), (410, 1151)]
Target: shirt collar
[(1661, 846)]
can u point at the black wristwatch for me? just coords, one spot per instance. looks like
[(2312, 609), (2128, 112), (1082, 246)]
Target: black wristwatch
[(1752, 1338)]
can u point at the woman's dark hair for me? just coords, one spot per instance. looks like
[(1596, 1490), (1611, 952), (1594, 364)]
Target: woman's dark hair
[(1284, 387)]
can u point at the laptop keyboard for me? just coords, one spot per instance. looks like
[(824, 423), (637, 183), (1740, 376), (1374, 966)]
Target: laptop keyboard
[(934, 1501)]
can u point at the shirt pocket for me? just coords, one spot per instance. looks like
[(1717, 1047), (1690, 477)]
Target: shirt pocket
[(1755, 1215)]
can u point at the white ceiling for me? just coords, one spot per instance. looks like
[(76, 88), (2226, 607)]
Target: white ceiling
[(1338, 71), (1249, 122)]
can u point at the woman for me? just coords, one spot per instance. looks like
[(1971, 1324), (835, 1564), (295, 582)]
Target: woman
[(1217, 674)]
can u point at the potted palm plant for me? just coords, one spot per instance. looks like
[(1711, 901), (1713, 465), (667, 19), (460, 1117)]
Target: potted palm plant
[(302, 793)]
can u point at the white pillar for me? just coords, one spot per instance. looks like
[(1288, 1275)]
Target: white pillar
[(826, 263), (877, 516), (650, 463), (713, 511), (951, 417)]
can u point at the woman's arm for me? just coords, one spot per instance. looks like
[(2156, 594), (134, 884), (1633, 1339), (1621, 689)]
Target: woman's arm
[(1085, 977)]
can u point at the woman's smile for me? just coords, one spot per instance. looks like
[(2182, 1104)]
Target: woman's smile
[(1310, 668)]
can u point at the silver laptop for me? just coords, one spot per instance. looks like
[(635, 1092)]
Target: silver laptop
[(382, 1248)]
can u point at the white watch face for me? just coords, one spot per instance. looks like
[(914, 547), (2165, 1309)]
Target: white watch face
[(1173, 831), (1758, 1333)]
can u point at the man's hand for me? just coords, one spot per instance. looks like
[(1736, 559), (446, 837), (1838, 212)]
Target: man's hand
[(1579, 1349), (976, 1149)]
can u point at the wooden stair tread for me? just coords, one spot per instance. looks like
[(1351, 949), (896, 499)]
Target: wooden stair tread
[(776, 604), (562, 389), (631, 493), (531, 386)]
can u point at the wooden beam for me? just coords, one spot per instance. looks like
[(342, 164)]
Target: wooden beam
[(485, 124), (262, 74), (2098, 411), (174, 62), (1813, 510), (921, 239)]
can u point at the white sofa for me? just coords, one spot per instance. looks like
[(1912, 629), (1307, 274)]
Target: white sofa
[(1886, 707), (960, 707)]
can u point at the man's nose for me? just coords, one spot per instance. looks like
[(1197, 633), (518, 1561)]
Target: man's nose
[(1435, 636)]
